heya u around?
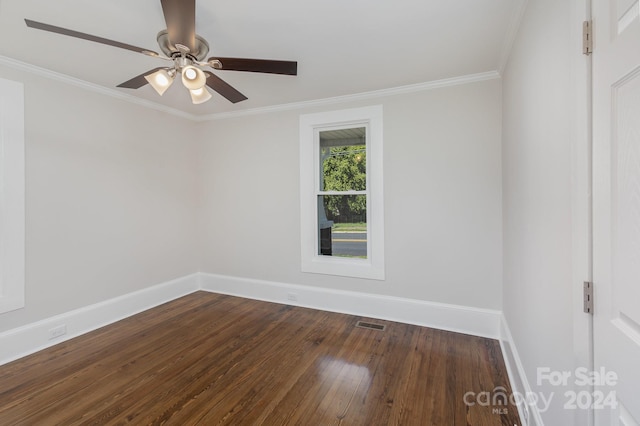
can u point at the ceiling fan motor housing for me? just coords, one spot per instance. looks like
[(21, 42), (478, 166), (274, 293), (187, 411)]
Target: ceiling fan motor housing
[(199, 53)]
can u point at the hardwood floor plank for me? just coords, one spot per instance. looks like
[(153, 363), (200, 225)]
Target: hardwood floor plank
[(214, 359), (196, 365)]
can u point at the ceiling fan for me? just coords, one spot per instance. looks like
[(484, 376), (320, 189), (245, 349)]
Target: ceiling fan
[(187, 51)]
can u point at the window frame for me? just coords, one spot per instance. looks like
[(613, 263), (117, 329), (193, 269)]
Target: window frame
[(373, 267), (12, 199)]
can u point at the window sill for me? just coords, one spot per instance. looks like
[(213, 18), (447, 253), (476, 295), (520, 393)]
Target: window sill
[(345, 267)]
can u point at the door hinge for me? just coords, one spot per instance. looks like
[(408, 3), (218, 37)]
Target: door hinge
[(588, 297), (587, 37)]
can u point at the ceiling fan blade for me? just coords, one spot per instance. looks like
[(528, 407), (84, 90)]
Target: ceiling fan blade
[(138, 81), (224, 88), (257, 65), (180, 16), (89, 37)]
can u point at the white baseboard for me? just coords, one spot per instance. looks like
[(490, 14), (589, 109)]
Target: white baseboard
[(461, 319), (529, 413), (33, 337)]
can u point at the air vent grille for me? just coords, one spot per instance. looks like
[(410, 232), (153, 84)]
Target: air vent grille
[(370, 325)]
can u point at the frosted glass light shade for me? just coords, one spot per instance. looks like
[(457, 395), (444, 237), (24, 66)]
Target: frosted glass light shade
[(200, 95), (160, 80), (193, 78)]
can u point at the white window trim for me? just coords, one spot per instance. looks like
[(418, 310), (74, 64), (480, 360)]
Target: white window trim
[(310, 124), (12, 210)]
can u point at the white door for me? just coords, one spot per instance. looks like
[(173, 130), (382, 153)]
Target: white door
[(616, 211)]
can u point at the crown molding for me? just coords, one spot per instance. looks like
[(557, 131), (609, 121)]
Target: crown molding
[(412, 88), (63, 78)]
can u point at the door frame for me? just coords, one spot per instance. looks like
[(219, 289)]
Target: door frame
[(582, 202)]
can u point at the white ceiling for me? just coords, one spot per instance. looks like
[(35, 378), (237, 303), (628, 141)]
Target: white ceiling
[(342, 47)]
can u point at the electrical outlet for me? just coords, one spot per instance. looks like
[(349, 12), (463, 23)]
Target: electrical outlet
[(292, 297), (58, 331)]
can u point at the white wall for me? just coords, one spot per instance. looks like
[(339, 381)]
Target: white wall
[(541, 145), (120, 198), (111, 192), (442, 197)]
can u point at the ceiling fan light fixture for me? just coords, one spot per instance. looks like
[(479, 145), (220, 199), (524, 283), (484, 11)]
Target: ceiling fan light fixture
[(193, 78), (199, 96), (160, 80)]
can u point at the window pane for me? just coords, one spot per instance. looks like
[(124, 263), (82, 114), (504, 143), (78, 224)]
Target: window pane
[(343, 160), (342, 225)]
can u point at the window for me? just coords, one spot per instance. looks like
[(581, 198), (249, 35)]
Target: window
[(11, 196), (341, 193)]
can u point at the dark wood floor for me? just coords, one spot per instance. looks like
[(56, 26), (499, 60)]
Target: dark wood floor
[(210, 359)]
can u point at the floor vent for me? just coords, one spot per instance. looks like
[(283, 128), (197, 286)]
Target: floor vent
[(371, 325)]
